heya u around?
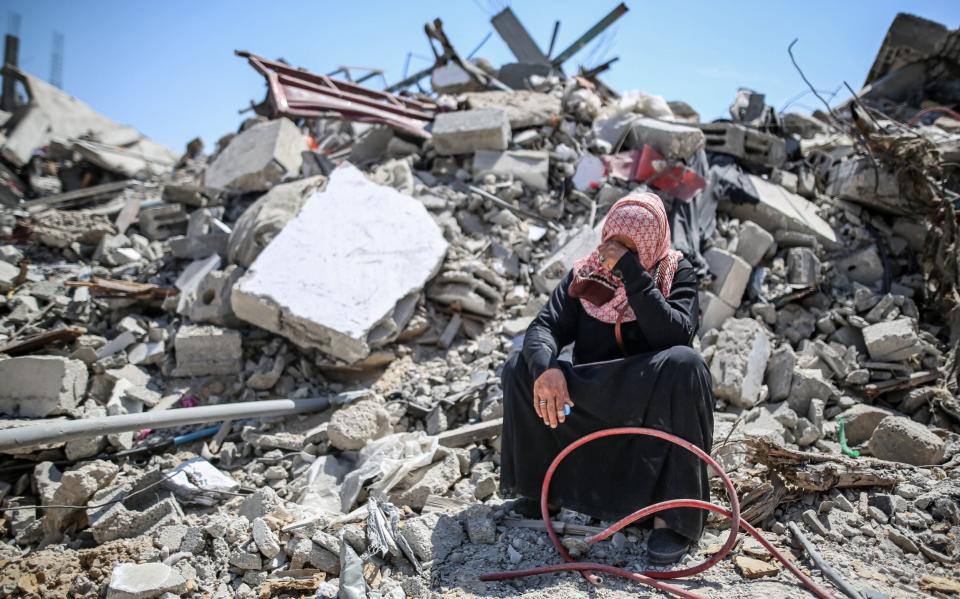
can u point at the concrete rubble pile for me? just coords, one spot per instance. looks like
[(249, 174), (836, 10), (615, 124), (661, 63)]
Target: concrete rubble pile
[(388, 256)]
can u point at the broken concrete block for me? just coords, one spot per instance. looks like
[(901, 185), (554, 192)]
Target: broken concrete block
[(210, 301), (892, 341), (713, 312), (432, 536), (265, 539), (739, 362), (673, 140), (466, 131), (258, 158), (205, 350), (260, 503), (145, 581), (481, 528), (40, 386), (899, 439), (753, 241), (163, 221), (779, 374), (354, 233), (8, 276), (803, 267), (745, 143), (435, 479), (809, 384), (531, 167), (864, 266), (776, 208), (730, 275), (859, 180), (861, 420), (523, 108), (352, 426), (579, 244), (123, 514), (264, 219)]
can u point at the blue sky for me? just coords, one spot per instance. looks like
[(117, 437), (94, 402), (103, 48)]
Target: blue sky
[(168, 67)]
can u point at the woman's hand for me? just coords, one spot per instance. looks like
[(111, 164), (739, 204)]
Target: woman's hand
[(610, 253), (550, 395)]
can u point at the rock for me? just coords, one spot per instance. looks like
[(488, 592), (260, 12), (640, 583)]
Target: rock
[(8, 275), (730, 275), (481, 529), (10, 255), (531, 167), (258, 158), (900, 439), (779, 373), (363, 231), (260, 503), (739, 362), (352, 426), (673, 140), (809, 384), (466, 131), (864, 266), (751, 568), (435, 479), (713, 312), (523, 108), (892, 341), (265, 539), (41, 386), (861, 420), (245, 560), (433, 536), (753, 242), (76, 488), (144, 581), (304, 552), (266, 217), (888, 503), (207, 350), (901, 540)]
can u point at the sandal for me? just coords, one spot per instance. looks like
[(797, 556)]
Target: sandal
[(665, 546)]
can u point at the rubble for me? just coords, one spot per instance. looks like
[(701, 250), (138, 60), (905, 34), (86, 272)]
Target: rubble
[(465, 132), (258, 158), (40, 386)]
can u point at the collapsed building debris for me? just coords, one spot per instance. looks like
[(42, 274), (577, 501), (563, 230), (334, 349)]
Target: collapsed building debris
[(332, 292)]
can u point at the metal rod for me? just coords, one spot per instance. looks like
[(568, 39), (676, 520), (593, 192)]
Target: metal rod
[(591, 33), (11, 52), (828, 572), (65, 430), (553, 38)]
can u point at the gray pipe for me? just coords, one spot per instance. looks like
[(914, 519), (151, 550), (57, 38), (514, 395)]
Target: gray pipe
[(65, 430)]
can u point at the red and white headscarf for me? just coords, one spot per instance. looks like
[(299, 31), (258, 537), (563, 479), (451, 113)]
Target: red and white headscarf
[(642, 218)]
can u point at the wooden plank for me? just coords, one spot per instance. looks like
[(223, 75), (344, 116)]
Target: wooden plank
[(41, 340), (563, 528), (914, 380), (471, 433)]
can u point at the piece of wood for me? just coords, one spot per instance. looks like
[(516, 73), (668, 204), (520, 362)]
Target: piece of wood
[(941, 584), (916, 379), (563, 528), (41, 340), (471, 433), (751, 568)]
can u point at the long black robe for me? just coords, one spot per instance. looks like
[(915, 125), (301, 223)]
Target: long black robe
[(662, 383)]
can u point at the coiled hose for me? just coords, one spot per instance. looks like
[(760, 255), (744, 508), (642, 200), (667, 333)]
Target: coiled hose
[(651, 577)]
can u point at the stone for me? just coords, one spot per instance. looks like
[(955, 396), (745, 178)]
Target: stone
[(901, 540), (776, 208), (481, 528), (730, 275), (304, 552), (264, 219), (207, 350), (899, 439), (753, 242), (713, 312), (888, 503), (352, 426), (363, 233), (892, 341), (245, 560), (435, 479), (8, 276), (145, 581), (809, 384), (739, 362), (803, 267), (524, 108), (258, 158), (864, 266), (466, 131), (779, 373), (751, 568), (41, 386), (76, 487), (260, 503), (673, 140), (530, 167), (861, 420)]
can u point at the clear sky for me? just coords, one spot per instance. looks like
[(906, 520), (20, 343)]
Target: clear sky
[(168, 67)]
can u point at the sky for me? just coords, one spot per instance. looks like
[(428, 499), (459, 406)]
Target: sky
[(168, 68)]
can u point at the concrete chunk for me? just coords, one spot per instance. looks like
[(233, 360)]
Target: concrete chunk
[(145, 581), (523, 108), (776, 208), (864, 266), (753, 242), (673, 140), (554, 268), (355, 424), (730, 275), (467, 131), (531, 167), (40, 386), (713, 311), (739, 362), (803, 267), (8, 275), (258, 158), (205, 350), (900, 439), (779, 375), (334, 276), (891, 341), (861, 420)]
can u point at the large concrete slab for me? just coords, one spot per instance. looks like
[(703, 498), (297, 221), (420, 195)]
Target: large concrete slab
[(531, 167), (333, 277), (466, 131), (39, 386), (778, 208), (258, 158), (524, 108), (739, 362)]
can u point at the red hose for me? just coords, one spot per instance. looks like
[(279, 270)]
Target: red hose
[(650, 577), (945, 109)]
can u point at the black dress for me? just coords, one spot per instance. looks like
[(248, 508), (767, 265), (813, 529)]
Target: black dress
[(662, 383)]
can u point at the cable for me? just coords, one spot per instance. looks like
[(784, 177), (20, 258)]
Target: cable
[(650, 578)]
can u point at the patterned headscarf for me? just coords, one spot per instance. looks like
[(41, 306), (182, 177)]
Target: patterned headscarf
[(642, 218)]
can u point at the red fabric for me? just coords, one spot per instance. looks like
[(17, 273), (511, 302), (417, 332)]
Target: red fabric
[(642, 218)]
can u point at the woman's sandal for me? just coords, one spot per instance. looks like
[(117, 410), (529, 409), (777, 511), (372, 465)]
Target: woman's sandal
[(665, 546)]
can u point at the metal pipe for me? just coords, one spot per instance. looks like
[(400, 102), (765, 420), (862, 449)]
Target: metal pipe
[(591, 33), (65, 430)]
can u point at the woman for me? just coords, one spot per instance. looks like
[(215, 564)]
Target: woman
[(632, 366)]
